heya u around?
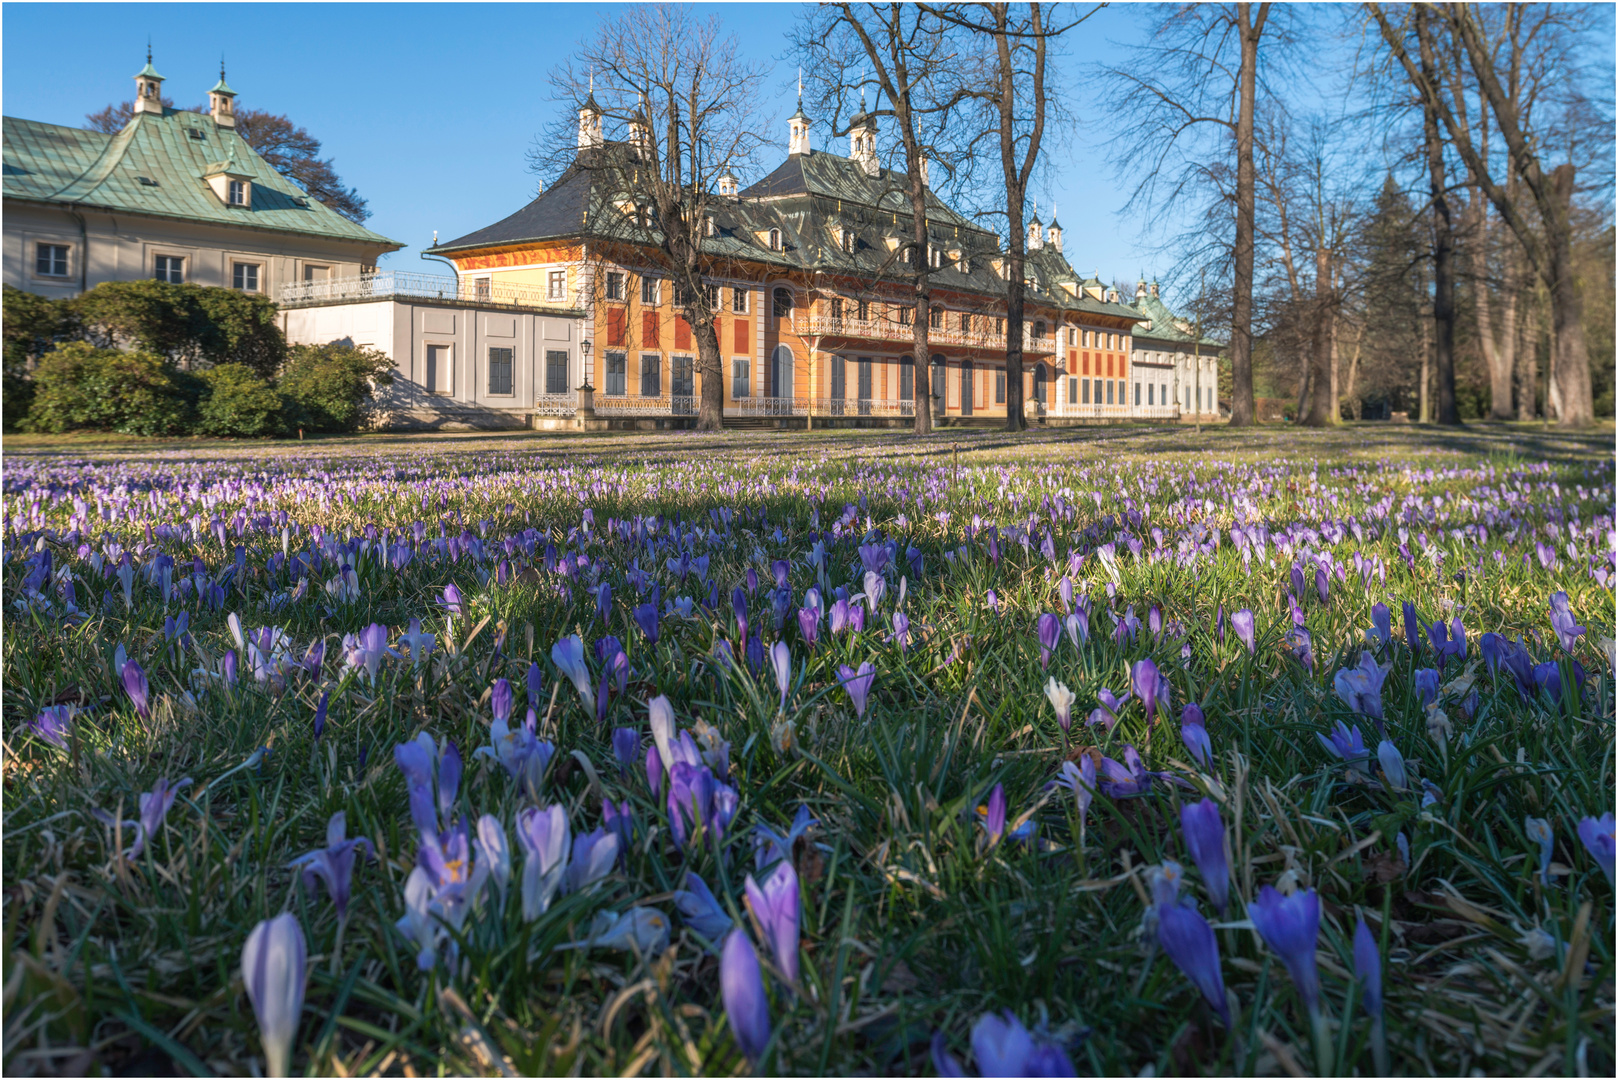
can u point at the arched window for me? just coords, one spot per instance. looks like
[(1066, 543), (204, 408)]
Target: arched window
[(783, 303), (775, 239), (781, 372), (1041, 389)]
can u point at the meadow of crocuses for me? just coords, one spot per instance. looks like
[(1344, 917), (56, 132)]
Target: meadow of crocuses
[(1112, 752)]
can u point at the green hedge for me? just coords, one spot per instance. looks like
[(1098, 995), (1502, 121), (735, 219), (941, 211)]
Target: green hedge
[(80, 387)]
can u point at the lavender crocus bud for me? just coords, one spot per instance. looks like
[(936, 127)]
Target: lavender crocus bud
[(776, 907), (1204, 832), (1050, 632), (654, 772), (1188, 940), (320, 715), (994, 819), (1290, 925), (1393, 765), (274, 971), (135, 686), (741, 985), (1368, 969), (500, 700), (625, 747), (1241, 624), (1597, 836), (1144, 675), (781, 660)]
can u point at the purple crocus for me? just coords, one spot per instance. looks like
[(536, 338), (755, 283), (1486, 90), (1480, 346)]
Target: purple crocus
[(1188, 940), (1427, 680), (1144, 678), (741, 985), (646, 618), (543, 834), (1290, 926), (1346, 743), (1003, 1047), (1204, 833), (625, 747), (1050, 632), (135, 686), (568, 656), (857, 684), (1241, 624), (52, 724), (781, 660), (1393, 765), (1081, 780), (994, 820), (452, 600), (594, 855), (1412, 627), (320, 715), (334, 863), (1381, 624), (154, 807), (500, 699), (1368, 969), (1107, 711), (1567, 631), (275, 963), (1597, 836), (1195, 737), (701, 911), (654, 771), (901, 631), (837, 616), (776, 908), (809, 625), (1361, 687)]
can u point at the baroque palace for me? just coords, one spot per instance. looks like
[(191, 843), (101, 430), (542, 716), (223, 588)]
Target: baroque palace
[(558, 315)]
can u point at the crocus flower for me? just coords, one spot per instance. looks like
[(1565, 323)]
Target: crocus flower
[(1346, 744), (1144, 680), (1597, 836), (646, 618), (1195, 736), (1119, 780), (1539, 831), (1393, 765), (1427, 684), (1381, 630), (781, 660), (770, 846), (775, 905), (452, 600), (901, 630), (1241, 623), (274, 971), (334, 863), (1204, 833), (1077, 624), (1303, 646), (1061, 699), (741, 985), (1412, 627), (1050, 632), (857, 684), (625, 747), (154, 807), (809, 625), (135, 686), (1081, 780), (1003, 1047), (493, 853), (994, 819), (52, 724), (594, 855), (1361, 687), (568, 656), (1188, 940), (1368, 968), (1567, 631), (654, 771), (544, 838), (1106, 713), (1290, 925), (320, 715), (500, 699), (701, 911)]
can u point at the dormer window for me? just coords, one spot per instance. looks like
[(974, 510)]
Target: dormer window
[(709, 228), (775, 239), (847, 240), (238, 193)]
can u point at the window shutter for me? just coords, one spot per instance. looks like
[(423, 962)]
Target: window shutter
[(742, 344), (682, 333), (648, 327), (616, 317)]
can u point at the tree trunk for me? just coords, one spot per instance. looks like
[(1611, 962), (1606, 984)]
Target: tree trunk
[(1443, 237), (1571, 363), (1322, 381), (1499, 356), (923, 319), (1528, 362), (1242, 411), (710, 369), (1353, 379), (1015, 420), (1424, 407)]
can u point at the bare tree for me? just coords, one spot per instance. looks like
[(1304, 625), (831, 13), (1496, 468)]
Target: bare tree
[(905, 53), (678, 107), (1548, 250), (1018, 104), (1443, 231), (1193, 90)]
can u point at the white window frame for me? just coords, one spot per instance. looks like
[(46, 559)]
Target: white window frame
[(741, 380), (614, 278), (236, 269), (775, 239), (740, 300), (651, 287), (482, 288), (556, 285), (236, 192), (181, 259), (67, 260), (640, 373)]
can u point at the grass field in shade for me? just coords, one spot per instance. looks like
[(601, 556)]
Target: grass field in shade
[(1124, 751)]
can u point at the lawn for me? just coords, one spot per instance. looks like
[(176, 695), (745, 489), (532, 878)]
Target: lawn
[(1126, 751)]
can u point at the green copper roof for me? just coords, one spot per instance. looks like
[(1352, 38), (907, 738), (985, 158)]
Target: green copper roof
[(156, 165), (1162, 324), (148, 72)]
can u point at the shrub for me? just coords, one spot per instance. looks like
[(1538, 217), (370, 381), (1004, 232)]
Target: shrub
[(33, 325), (329, 388), (237, 402), (191, 324), (78, 386)]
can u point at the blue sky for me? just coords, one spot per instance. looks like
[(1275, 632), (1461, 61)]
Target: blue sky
[(428, 108)]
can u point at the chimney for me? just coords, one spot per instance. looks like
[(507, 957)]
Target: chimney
[(222, 101)]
